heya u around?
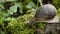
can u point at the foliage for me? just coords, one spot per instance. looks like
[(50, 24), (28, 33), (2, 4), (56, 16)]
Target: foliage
[(59, 12), (14, 14), (56, 3)]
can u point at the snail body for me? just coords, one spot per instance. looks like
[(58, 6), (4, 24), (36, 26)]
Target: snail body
[(46, 13)]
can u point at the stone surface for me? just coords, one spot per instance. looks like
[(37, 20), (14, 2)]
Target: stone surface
[(49, 29)]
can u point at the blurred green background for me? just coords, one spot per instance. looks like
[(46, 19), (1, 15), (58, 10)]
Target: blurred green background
[(14, 14)]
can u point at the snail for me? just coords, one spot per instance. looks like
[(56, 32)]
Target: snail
[(46, 13)]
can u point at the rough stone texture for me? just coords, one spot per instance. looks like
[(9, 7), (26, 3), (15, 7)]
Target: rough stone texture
[(49, 29)]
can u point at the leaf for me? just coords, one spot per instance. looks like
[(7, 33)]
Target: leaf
[(20, 6), (3, 15), (13, 9), (1, 6), (30, 5), (8, 19)]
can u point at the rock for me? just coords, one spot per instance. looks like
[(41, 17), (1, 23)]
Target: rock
[(49, 29)]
